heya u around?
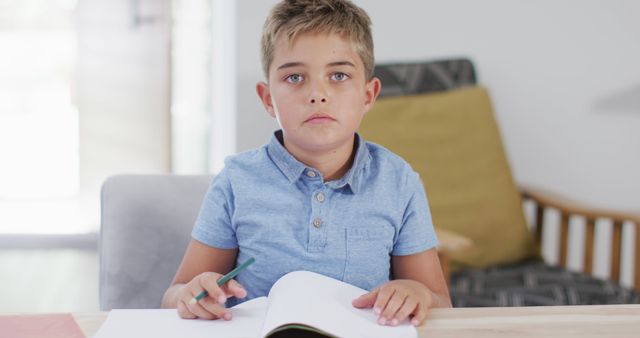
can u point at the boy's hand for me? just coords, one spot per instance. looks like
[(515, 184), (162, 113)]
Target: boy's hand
[(212, 306), (396, 300)]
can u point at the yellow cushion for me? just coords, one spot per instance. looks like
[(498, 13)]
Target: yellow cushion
[(451, 139)]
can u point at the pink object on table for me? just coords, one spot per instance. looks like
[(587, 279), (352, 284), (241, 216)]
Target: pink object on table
[(40, 326)]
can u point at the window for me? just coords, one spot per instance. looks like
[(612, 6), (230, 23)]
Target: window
[(39, 175)]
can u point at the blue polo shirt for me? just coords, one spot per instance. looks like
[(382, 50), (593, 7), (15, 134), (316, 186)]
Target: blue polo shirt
[(281, 212)]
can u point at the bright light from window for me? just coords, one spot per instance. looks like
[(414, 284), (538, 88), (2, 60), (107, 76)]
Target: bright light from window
[(38, 120)]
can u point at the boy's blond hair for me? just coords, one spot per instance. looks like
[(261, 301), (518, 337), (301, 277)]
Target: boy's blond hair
[(293, 17)]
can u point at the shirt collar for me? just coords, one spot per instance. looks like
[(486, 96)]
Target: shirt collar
[(354, 176), (290, 167), (293, 168)]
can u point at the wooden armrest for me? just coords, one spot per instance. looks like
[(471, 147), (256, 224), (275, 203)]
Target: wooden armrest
[(564, 205), (567, 208), (450, 242)]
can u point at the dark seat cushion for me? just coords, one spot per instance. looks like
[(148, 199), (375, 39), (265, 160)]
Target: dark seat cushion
[(534, 283)]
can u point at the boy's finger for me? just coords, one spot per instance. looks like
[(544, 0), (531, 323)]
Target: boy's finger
[(419, 316), (184, 312), (198, 310), (216, 309), (407, 308), (367, 300), (383, 298), (393, 305), (234, 289), (209, 283)]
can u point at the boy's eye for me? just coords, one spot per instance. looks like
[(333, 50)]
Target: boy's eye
[(339, 77), (294, 78)]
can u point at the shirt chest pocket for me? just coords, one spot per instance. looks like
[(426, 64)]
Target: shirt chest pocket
[(368, 256)]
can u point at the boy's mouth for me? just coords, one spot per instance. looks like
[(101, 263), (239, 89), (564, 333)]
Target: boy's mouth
[(319, 118)]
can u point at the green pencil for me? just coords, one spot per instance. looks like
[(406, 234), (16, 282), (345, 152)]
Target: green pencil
[(224, 279)]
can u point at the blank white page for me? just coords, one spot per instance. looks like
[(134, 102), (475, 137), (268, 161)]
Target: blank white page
[(324, 303), (246, 323)]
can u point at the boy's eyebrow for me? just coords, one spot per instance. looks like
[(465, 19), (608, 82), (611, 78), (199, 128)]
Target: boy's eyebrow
[(341, 63), (290, 64), (332, 64)]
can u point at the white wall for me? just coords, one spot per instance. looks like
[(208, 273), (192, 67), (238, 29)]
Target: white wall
[(564, 77), (253, 123)]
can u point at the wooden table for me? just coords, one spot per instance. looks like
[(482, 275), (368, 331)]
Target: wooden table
[(545, 321), (548, 321)]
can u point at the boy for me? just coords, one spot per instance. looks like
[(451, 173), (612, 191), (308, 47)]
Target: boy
[(317, 197)]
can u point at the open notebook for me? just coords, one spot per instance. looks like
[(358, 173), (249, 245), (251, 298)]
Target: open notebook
[(300, 303)]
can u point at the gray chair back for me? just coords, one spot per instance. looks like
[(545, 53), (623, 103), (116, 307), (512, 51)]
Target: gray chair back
[(146, 223)]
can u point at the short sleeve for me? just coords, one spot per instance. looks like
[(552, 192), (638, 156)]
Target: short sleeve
[(416, 233), (214, 226)]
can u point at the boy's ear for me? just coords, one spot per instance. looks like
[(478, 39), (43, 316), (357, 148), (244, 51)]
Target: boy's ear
[(373, 87), (262, 88)]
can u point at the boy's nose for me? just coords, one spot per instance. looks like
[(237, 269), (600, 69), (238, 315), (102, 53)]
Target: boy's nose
[(318, 92)]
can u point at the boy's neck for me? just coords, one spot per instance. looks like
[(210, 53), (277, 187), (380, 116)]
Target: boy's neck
[(332, 163)]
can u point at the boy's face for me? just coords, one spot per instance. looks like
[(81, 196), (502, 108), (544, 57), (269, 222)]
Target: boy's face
[(317, 91)]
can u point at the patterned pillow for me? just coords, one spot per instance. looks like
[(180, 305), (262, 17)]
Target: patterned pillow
[(424, 77)]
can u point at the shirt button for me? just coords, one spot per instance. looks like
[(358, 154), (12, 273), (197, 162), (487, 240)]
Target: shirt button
[(317, 223), (311, 173), (320, 197)]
